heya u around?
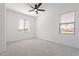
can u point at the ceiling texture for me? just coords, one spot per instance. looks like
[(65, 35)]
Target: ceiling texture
[(23, 8)]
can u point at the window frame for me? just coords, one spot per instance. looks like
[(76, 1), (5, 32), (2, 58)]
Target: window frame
[(67, 22), (24, 24)]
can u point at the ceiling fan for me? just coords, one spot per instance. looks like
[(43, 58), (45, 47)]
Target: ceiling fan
[(36, 8)]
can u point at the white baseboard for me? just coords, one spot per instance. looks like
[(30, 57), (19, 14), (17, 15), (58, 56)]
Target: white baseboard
[(20, 40), (60, 43)]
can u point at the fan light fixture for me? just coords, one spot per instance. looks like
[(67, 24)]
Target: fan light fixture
[(36, 8)]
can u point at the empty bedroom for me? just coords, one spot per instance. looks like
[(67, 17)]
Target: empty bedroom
[(39, 29)]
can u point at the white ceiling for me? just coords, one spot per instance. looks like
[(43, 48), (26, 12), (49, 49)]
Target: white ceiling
[(22, 8)]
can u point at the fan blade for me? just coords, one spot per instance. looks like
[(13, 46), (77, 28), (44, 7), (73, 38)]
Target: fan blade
[(40, 10), (35, 6), (31, 10), (39, 5), (31, 6), (36, 12)]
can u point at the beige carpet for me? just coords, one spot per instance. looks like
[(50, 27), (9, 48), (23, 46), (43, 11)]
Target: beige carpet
[(37, 47)]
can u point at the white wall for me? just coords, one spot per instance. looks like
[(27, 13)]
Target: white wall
[(13, 34), (2, 27), (48, 24)]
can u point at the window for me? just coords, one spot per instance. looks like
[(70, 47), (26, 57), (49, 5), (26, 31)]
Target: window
[(24, 25), (67, 22)]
